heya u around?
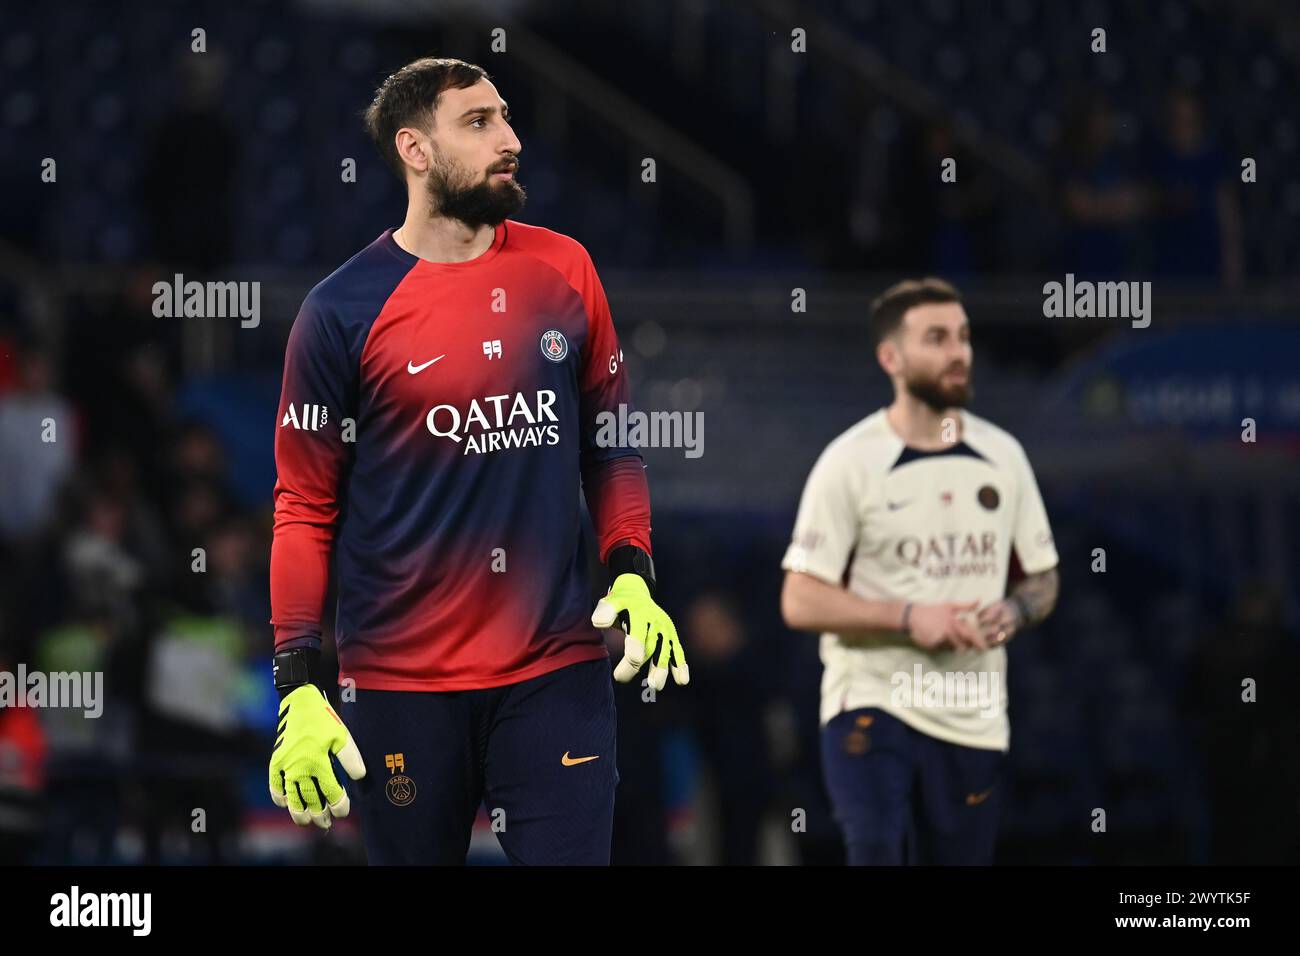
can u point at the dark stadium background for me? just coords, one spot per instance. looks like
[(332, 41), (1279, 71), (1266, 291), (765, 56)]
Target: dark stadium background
[(776, 171)]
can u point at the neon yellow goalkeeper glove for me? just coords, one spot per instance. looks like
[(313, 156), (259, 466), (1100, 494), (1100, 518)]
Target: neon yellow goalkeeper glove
[(302, 777), (646, 625)]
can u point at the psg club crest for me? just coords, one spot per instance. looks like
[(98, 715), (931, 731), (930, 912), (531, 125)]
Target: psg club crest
[(401, 790), (554, 345)]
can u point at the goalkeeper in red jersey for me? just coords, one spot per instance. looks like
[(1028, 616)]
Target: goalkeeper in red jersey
[(439, 413)]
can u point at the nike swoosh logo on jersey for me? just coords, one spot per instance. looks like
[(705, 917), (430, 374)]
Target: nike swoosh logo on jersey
[(574, 761), (413, 368), (895, 505)]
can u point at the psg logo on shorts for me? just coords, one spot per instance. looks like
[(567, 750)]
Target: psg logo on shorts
[(857, 741), (401, 790), (554, 345)]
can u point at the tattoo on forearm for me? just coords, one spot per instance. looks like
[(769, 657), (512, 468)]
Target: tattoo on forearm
[(1036, 596)]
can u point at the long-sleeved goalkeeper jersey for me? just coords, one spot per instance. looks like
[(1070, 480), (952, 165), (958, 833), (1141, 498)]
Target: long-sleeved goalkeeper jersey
[(436, 423)]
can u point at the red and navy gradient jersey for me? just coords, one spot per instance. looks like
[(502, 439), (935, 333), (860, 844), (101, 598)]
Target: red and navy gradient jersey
[(436, 423)]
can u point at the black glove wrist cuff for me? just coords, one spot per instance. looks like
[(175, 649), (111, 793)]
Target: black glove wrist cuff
[(629, 559), (293, 668)]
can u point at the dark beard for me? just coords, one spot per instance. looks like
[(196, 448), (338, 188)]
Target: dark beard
[(485, 203), (937, 397)]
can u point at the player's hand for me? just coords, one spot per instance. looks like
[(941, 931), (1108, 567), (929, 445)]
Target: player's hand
[(998, 622), (935, 627), (646, 625), (302, 777)]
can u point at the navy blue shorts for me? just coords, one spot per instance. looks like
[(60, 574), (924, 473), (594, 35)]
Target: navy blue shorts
[(539, 755), (901, 796)]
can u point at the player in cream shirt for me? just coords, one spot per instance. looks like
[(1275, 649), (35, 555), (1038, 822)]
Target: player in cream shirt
[(899, 557)]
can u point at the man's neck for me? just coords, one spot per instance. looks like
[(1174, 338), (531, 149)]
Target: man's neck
[(921, 427), (439, 239)]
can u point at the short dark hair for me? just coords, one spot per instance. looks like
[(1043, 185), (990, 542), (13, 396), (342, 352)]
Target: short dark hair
[(890, 306), (409, 98)]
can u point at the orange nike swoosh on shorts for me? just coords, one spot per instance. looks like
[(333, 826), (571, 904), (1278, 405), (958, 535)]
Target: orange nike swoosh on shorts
[(574, 761), (973, 799)]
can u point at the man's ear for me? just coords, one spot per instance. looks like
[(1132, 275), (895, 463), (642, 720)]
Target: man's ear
[(413, 149), (887, 355)]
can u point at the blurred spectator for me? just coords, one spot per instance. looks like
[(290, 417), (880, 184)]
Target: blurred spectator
[(190, 741), (237, 574), (39, 436), (197, 456), (103, 574), (120, 480), (198, 498), (198, 510), (1102, 197), (1197, 220), (207, 706), (87, 755)]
